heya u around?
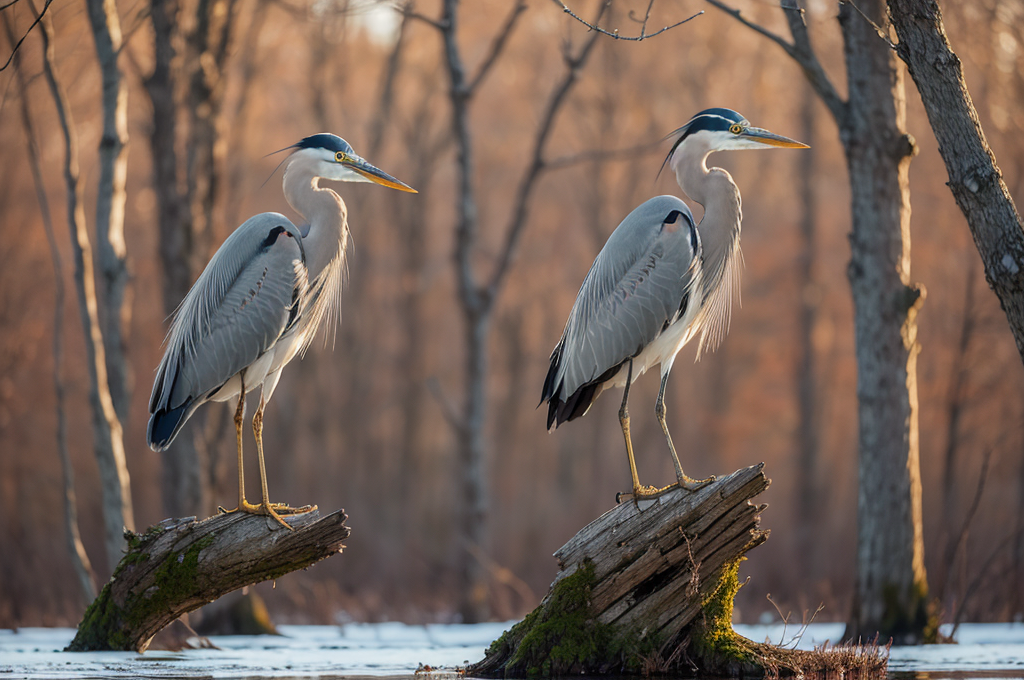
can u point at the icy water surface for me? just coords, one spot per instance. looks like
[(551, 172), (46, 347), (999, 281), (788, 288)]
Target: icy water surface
[(395, 650)]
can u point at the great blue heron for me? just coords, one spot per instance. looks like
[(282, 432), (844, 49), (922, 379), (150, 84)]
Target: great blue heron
[(659, 281), (260, 301)]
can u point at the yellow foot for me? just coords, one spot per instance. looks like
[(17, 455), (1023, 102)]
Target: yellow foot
[(691, 484), (266, 509), (649, 493), (285, 509), (641, 493)]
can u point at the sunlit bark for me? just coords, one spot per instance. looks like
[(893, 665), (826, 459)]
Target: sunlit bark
[(112, 258), (107, 435)]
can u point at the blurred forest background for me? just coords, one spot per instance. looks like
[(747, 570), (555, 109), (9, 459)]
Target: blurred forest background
[(370, 425)]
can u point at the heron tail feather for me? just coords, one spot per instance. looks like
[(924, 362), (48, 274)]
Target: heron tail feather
[(165, 424)]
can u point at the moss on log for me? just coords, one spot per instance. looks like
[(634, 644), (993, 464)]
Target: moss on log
[(180, 565), (650, 589)]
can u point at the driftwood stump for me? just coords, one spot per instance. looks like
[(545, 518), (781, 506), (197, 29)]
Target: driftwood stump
[(650, 589), (180, 565)]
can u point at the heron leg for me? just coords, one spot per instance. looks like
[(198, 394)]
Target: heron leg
[(639, 492), (266, 508), (243, 505), (684, 481)]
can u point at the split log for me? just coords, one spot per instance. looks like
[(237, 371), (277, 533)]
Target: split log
[(180, 565), (650, 588)]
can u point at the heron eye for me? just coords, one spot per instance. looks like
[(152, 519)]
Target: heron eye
[(736, 128), (340, 156)]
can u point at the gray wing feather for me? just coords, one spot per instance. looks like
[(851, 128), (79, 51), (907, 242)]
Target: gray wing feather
[(235, 311), (633, 289)]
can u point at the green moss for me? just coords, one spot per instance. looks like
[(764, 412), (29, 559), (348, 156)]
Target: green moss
[(105, 624), (175, 578), (561, 637), (713, 636)]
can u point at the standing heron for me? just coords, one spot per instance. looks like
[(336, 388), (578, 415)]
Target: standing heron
[(659, 280), (260, 301)]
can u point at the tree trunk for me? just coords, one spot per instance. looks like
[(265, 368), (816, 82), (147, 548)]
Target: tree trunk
[(107, 438), (113, 152), (642, 591), (185, 489), (891, 589), (180, 565), (974, 177)]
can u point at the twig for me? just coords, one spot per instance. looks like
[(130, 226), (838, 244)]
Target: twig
[(969, 592), (615, 34), (502, 574), (961, 537), (537, 165), (625, 154), (448, 410), (799, 50), (497, 45), (408, 12), (17, 45), (878, 29)]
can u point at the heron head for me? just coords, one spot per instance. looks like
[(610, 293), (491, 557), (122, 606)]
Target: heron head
[(725, 130), (332, 158)]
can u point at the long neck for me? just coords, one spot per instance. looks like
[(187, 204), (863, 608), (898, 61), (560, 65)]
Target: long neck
[(325, 237), (714, 189)]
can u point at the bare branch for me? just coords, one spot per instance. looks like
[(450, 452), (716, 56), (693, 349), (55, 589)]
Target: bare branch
[(626, 154), (497, 46), (538, 165), (593, 26), (882, 33), (408, 12), (22, 39), (799, 50), (448, 410), (738, 16)]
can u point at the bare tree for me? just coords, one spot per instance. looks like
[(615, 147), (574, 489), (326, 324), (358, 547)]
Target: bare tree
[(187, 192), (107, 435), (181, 477), (891, 590), (76, 549), (974, 176), (477, 294), (115, 310)]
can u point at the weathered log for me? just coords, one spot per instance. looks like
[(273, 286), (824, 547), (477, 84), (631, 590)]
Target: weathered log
[(180, 565), (650, 589)]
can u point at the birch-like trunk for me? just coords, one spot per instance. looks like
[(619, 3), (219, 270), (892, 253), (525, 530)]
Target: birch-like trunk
[(72, 535), (107, 437), (113, 153)]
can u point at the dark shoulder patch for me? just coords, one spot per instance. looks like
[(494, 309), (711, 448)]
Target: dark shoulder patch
[(272, 237)]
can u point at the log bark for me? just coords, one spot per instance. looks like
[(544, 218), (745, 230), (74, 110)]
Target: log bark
[(649, 589), (180, 565)]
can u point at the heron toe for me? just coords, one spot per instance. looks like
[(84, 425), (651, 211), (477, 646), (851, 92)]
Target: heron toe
[(285, 509), (691, 484)]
